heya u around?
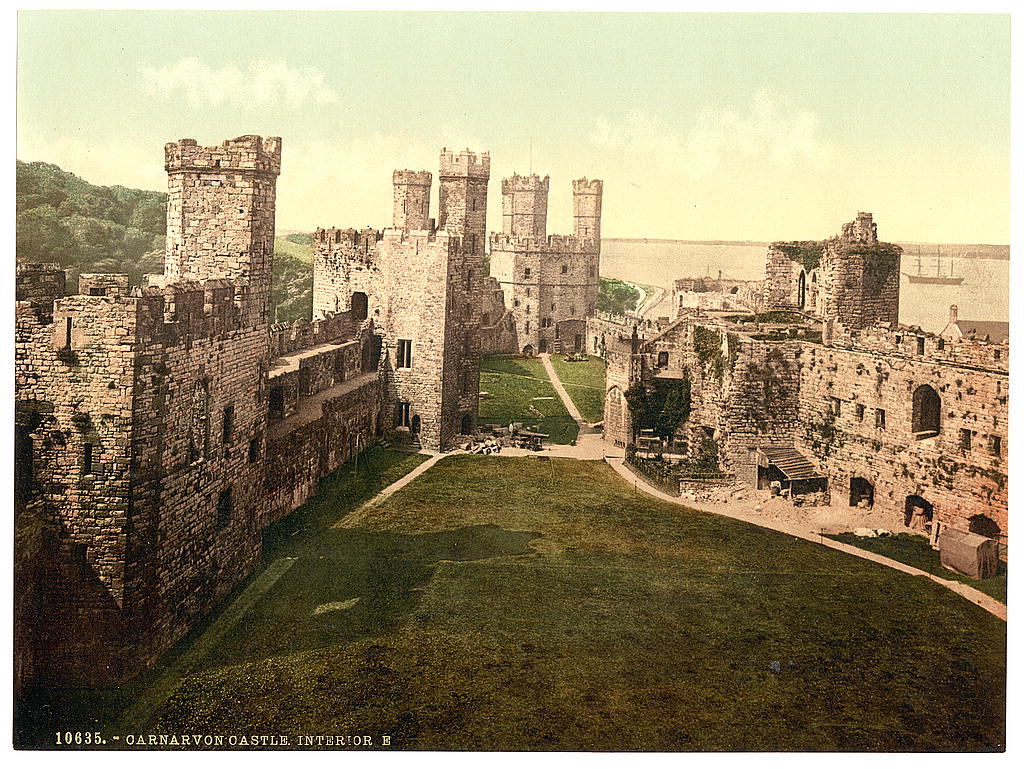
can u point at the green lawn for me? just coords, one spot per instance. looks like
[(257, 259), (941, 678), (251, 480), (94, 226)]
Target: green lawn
[(500, 603), (584, 381), (915, 550), (513, 386)]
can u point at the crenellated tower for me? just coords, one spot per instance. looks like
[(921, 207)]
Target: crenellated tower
[(412, 200), (586, 209), (463, 197), (524, 206), (220, 213)]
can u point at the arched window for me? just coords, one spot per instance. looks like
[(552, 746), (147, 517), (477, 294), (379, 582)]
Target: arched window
[(917, 512), (662, 359), (927, 412), (801, 290)]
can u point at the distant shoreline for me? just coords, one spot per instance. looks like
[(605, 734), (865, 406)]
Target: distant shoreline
[(985, 250)]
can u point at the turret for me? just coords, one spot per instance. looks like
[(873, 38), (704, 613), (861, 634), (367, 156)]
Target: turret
[(462, 209), (586, 209), (524, 206), (220, 213), (412, 200)]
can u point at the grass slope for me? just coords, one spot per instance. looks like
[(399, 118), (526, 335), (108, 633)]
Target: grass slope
[(915, 550), (584, 381), (516, 384), (527, 604)]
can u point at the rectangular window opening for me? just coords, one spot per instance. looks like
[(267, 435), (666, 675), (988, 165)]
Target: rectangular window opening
[(404, 353)]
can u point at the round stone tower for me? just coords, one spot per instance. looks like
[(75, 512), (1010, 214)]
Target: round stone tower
[(412, 199), (524, 206)]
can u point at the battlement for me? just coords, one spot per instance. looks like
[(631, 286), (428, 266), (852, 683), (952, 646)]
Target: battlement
[(466, 163), (244, 153), (554, 244), (531, 183), (415, 178), (40, 283), (912, 342), (587, 187), (364, 239)]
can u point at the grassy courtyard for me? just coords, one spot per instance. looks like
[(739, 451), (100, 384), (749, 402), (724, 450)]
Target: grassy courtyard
[(915, 550), (518, 390), (501, 603), (584, 381)]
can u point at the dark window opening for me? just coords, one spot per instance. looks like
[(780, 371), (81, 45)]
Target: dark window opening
[(860, 412), (87, 459), (565, 269), (402, 417), (68, 324), (965, 439), (254, 450), (277, 402), (927, 412), (96, 291), (862, 493), (404, 353), (941, 344), (228, 424), (527, 272), (880, 418), (224, 507), (360, 306), (662, 359), (920, 345), (23, 465), (995, 445), (835, 406)]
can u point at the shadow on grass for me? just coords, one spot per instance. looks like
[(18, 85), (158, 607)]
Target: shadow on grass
[(354, 583)]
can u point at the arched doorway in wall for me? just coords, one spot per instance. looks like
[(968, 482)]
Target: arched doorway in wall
[(414, 425), (927, 412), (528, 351), (801, 290), (467, 424), (543, 345), (360, 306), (917, 513), (862, 493), (577, 345)]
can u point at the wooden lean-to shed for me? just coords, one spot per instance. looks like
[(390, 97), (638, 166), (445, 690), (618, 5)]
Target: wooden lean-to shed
[(969, 554)]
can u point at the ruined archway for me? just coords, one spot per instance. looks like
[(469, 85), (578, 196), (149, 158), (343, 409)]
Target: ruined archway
[(983, 525), (801, 290), (528, 351), (862, 493), (917, 513)]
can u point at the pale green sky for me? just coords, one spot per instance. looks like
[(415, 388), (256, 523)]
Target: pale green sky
[(724, 126)]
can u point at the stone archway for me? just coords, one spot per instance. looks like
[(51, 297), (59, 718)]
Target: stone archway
[(862, 493), (927, 413)]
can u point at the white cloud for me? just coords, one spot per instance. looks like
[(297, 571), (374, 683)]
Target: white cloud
[(260, 82), (765, 130)]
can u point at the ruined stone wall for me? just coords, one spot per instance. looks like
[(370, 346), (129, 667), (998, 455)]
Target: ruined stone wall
[(73, 433), (220, 213), (497, 324), (344, 261), (959, 470), (860, 284), (40, 284), (330, 397), (200, 400)]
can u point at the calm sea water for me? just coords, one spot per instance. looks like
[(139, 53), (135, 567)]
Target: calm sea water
[(983, 295)]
